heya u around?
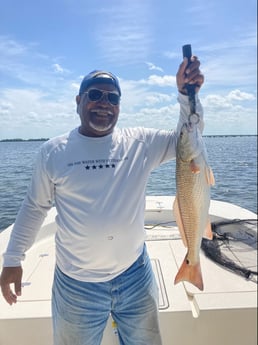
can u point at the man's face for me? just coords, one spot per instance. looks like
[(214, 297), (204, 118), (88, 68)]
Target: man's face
[(98, 118)]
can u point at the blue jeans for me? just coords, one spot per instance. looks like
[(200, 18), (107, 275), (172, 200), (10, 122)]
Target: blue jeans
[(80, 309)]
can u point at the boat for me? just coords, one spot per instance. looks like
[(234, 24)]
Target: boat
[(225, 312)]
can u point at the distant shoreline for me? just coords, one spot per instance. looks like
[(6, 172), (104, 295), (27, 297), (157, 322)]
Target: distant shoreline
[(211, 135), (18, 140)]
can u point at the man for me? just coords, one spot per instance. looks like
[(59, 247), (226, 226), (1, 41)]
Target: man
[(96, 175)]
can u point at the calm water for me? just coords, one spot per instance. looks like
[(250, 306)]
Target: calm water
[(233, 160)]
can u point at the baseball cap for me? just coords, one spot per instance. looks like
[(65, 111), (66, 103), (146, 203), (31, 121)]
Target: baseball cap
[(98, 76)]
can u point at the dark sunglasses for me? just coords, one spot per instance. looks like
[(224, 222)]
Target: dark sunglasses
[(96, 95)]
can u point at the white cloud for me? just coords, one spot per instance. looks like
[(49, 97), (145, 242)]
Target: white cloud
[(233, 112), (75, 86), (172, 55), (166, 80), (24, 63), (154, 67), (11, 48), (229, 100), (44, 105), (240, 96), (155, 98), (231, 62), (58, 68), (32, 114), (223, 113), (123, 32), (163, 117)]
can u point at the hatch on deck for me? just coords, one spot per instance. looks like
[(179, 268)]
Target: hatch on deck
[(163, 299)]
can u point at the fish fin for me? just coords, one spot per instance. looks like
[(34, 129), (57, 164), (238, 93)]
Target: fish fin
[(210, 177), (190, 273), (195, 169), (208, 231), (179, 222)]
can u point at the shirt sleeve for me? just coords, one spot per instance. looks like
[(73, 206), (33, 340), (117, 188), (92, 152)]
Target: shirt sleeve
[(161, 144), (38, 201)]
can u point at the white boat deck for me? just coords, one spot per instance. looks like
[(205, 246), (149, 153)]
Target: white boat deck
[(224, 313)]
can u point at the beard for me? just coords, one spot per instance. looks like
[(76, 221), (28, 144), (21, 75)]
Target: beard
[(101, 120), (100, 127)]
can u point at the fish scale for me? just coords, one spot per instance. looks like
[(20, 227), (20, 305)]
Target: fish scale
[(191, 207)]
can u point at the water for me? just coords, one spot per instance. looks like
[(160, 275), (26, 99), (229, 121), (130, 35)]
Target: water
[(233, 160), (16, 164), (234, 164)]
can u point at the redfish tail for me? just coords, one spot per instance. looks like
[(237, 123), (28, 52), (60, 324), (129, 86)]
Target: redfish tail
[(190, 273)]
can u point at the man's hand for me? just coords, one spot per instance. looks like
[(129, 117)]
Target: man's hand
[(11, 275), (189, 74)]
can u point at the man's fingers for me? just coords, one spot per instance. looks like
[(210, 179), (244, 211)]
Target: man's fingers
[(180, 76), (182, 67), (17, 287), (198, 79), (189, 74), (8, 295), (11, 275)]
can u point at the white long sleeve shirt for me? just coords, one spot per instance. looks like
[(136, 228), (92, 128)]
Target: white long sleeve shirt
[(98, 186)]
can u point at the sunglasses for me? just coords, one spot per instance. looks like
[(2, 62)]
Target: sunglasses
[(96, 95)]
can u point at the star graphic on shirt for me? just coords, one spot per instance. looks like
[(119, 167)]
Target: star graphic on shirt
[(100, 166)]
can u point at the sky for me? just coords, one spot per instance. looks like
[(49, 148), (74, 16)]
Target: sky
[(47, 46)]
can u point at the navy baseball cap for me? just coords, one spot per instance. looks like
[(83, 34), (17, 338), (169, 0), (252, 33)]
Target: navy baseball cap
[(98, 76)]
